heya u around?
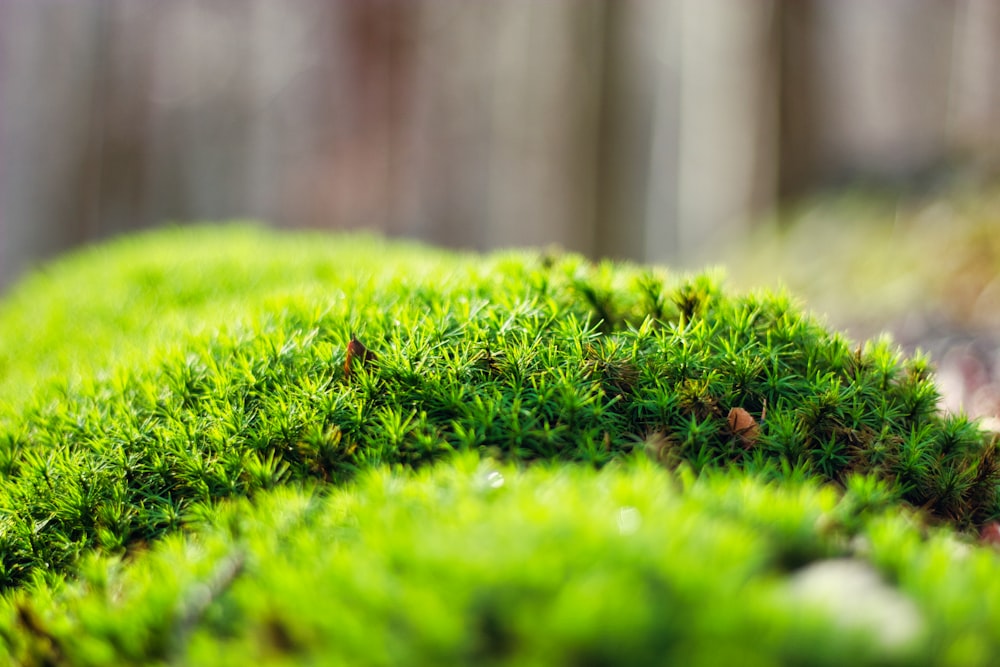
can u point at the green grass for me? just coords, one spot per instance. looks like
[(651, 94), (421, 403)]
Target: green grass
[(187, 463)]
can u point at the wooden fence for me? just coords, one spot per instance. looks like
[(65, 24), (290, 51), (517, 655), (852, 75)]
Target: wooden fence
[(649, 129)]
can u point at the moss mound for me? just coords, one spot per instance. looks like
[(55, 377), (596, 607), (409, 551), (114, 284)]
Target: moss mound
[(147, 379), (224, 444), (478, 563)]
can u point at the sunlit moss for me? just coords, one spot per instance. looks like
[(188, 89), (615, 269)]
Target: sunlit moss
[(184, 431), (149, 377)]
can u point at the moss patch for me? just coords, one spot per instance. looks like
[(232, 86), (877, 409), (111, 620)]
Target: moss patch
[(479, 563), (182, 367), (201, 428)]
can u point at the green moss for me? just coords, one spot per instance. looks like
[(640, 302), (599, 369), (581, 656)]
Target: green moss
[(478, 563), (147, 379)]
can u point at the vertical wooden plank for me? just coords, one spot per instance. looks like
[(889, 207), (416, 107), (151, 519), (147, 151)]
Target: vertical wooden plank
[(200, 124), (974, 109), (7, 253), (545, 107), (705, 74), (51, 56), (361, 88), (504, 132), (726, 172), (295, 80), (444, 139), (798, 158), (631, 70), (662, 221), (882, 106), (114, 163)]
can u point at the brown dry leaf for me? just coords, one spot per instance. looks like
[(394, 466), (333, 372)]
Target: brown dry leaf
[(357, 350), (743, 425)]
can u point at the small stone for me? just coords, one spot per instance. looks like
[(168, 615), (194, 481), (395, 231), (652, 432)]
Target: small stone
[(990, 534), (852, 591)]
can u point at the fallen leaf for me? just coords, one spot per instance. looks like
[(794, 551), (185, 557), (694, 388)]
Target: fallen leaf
[(743, 425), (357, 350)]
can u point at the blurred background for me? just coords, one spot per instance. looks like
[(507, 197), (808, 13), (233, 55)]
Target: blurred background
[(683, 132)]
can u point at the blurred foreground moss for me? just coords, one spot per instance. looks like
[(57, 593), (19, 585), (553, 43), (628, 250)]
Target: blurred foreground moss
[(477, 562)]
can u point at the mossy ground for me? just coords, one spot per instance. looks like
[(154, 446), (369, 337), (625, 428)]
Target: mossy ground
[(472, 562), (192, 468)]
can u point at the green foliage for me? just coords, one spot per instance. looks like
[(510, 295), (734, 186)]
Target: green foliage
[(145, 380), (476, 562)]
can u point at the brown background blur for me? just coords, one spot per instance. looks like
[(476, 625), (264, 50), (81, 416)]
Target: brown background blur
[(644, 129)]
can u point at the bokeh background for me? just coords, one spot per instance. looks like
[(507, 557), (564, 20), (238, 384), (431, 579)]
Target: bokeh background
[(846, 148)]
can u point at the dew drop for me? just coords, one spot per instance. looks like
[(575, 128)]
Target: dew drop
[(494, 480), (629, 520)]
